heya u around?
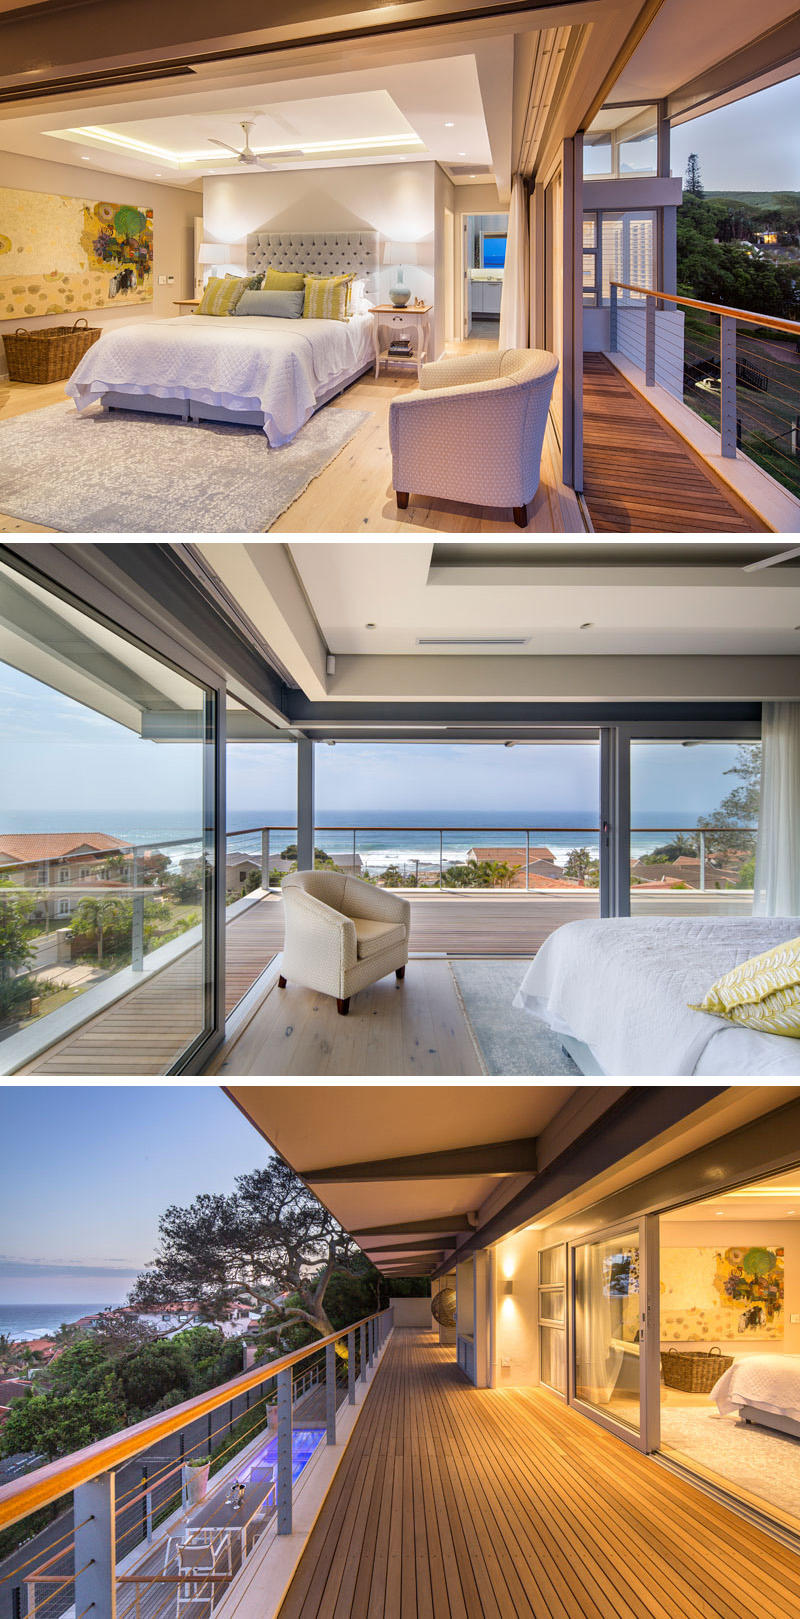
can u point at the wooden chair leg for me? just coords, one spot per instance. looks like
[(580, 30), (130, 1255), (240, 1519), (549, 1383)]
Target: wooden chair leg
[(343, 1007), (281, 982), (401, 496), (400, 972), (521, 516)]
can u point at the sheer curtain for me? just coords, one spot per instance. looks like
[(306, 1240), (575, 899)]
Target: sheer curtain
[(514, 300), (598, 1357), (777, 879)]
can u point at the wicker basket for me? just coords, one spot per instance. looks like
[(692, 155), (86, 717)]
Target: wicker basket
[(694, 1371), (49, 355)]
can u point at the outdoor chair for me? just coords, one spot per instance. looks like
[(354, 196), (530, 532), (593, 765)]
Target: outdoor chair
[(473, 430), (196, 1559), (341, 934)]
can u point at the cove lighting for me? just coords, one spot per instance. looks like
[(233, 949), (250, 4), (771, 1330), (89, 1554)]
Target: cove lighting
[(309, 148)]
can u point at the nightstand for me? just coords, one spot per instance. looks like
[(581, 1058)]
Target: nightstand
[(185, 303), (388, 322)]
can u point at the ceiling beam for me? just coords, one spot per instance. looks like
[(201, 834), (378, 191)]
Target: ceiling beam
[(491, 1158), (431, 1246), (451, 1224)]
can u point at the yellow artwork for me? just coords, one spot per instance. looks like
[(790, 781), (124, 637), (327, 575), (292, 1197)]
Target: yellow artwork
[(60, 255), (715, 1295)]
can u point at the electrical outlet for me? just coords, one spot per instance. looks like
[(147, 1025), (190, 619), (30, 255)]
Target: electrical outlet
[(170, 279), (505, 1365), (795, 1320), (162, 280)]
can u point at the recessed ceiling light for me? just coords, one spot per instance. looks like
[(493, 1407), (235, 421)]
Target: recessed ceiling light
[(462, 154), (86, 160), (589, 625), (449, 126), (369, 626), (158, 175)]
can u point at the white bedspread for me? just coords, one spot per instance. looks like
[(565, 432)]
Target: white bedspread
[(771, 1382), (623, 988), (250, 362)]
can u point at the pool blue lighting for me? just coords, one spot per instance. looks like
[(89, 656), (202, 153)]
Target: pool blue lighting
[(304, 1443)]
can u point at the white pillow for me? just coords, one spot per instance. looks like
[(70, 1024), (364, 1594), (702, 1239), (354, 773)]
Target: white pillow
[(360, 300)]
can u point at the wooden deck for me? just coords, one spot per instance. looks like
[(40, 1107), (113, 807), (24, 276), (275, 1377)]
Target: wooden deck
[(458, 1503), (640, 477)]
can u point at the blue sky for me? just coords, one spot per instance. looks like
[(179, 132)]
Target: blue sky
[(93, 1169), (753, 145), (61, 757)]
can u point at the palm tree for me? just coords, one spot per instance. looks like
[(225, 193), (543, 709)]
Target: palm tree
[(94, 916)]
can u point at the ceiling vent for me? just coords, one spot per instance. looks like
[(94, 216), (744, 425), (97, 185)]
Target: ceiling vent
[(465, 171), (472, 640)]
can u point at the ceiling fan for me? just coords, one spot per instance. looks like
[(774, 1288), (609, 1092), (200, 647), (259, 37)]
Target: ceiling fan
[(246, 155), (769, 562)]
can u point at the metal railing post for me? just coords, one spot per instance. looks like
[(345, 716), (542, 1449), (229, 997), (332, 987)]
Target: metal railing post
[(330, 1393), (363, 1353), (702, 861), (285, 1451), (137, 922), (441, 865), (351, 1368), (727, 380), (650, 343), (354, 851), (613, 336), (265, 857), (95, 1549), (527, 860)]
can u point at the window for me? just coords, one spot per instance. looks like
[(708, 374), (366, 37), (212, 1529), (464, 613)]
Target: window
[(494, 251), (552, 1318), (628, 253), (63, 874), (694, 824), (621, 143), (64, 907), (590, 259)]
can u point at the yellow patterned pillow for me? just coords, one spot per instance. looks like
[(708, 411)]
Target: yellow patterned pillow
[(763, 993), (221, 295), (327, 297), (283, 281)]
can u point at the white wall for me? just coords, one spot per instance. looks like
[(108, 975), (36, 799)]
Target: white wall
[(396, 199), (413, 1313), (444, 197), (517, 1330), (174, 212), (746, 1234)]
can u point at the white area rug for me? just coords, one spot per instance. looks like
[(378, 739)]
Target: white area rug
[(765, 1464), (129, 473)]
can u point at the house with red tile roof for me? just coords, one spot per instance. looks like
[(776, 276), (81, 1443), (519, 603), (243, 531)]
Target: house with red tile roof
[(62, 867)]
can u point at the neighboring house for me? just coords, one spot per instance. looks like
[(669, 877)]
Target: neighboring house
[(685, 870), (238, 868), (11, 1388), (62, 867), (514, 857)]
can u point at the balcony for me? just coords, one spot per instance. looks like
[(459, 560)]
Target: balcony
[(430, 1499)]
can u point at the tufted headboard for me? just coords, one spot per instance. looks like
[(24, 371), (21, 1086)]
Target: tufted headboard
[(320, 253)]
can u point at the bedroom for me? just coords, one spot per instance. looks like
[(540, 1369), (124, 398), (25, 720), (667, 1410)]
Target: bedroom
[(433, 160)]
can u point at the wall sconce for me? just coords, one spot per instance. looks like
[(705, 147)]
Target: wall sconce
[(508, 1288)]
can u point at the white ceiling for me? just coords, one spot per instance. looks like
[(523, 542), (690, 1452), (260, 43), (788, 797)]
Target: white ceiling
[(630, 609), (684, 39), (776, 1198), (440, 107)]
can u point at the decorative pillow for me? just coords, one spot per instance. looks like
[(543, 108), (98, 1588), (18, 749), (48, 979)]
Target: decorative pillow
[(763, 993), (360, 302), (327, 297), (280, 305), (284, 280), (252, 283), (221, 295)]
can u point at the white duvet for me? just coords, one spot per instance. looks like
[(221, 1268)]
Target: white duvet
[(623, 988), (249, 362), (771, 1382)]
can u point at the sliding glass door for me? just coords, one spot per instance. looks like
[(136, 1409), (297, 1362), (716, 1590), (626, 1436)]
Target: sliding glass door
[(609, 1339)]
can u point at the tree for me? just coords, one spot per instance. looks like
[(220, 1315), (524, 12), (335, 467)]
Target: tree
[(480, 874), (677, 846), (17, 932), (94, 917), (577, 865), (156, 1372), (290, 853), (738, 812), (54, 1425), (185, 887), (269, 1243), (693, 182)]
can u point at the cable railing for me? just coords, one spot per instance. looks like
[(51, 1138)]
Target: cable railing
[(744, 383), (184, 1522)]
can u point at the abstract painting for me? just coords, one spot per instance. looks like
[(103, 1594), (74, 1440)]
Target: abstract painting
[(715, 1295), (59, 255)]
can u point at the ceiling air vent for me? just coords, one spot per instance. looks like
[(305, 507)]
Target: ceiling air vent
[(464, 171), (472, 640)]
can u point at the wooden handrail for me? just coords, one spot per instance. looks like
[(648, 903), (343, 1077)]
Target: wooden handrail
[(47, 1484), (792, 326)]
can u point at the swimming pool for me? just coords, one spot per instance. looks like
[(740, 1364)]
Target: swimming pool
[(304, 1443)]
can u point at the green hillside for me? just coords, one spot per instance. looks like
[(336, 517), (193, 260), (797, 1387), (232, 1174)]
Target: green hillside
[(759, 199)]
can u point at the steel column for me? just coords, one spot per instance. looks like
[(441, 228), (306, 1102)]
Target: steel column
[(305, 804), (702, 860), (265, 857), (650, 343), (363, 1353), (727, 377), (285, 1451), (330, 1393), (95, 1548), (137, 920), (613, 337), (351, 1368)]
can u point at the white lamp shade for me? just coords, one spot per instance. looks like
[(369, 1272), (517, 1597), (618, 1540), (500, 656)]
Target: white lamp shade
[(214, 253), (400, 253)]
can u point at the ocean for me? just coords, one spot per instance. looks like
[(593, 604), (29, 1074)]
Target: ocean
[(404, 839), (21, 1322)]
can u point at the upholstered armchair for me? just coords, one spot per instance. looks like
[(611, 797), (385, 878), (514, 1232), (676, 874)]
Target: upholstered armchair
[(341, 934), (473, 431)]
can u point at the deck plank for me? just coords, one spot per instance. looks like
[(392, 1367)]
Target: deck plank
[(461, 1503)]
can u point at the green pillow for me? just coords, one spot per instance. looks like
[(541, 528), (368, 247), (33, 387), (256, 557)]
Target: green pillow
[(283, 281), (221, 295)]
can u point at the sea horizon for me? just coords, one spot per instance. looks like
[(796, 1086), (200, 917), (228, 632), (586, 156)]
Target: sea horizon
[(26, 1321)]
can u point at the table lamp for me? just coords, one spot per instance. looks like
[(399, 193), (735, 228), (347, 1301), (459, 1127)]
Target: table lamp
[(400, 253)]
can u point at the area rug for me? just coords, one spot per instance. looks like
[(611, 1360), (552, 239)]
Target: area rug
[(764, 1464), (507, 1041), (132, 473)]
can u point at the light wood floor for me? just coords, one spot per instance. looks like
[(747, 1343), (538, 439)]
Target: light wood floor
[(460, 1503), (354, 494), (417, 1027)]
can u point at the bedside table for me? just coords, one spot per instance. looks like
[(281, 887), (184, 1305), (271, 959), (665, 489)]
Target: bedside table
[(415, 318), (185, 303)]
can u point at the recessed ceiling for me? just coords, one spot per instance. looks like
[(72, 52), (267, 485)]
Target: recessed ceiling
[(776, 1197)]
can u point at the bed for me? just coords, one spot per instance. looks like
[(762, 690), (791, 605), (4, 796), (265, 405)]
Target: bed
[(764, 1389), (618, 994), (244, 370)]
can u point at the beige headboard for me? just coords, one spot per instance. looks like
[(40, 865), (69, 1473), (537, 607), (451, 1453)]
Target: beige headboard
[(321, 253)]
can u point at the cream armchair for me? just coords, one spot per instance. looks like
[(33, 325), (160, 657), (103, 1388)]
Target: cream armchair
[(341, 934), (473, 431)]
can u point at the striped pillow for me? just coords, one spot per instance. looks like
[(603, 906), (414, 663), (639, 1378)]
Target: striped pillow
[(283, 280), (327, 297), (763, 993), (221, 295)]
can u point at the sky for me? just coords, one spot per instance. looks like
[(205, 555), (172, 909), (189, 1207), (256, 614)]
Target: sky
[(93, 1169), (753, 145)]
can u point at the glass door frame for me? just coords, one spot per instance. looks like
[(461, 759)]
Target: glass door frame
[(647, 1437)]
